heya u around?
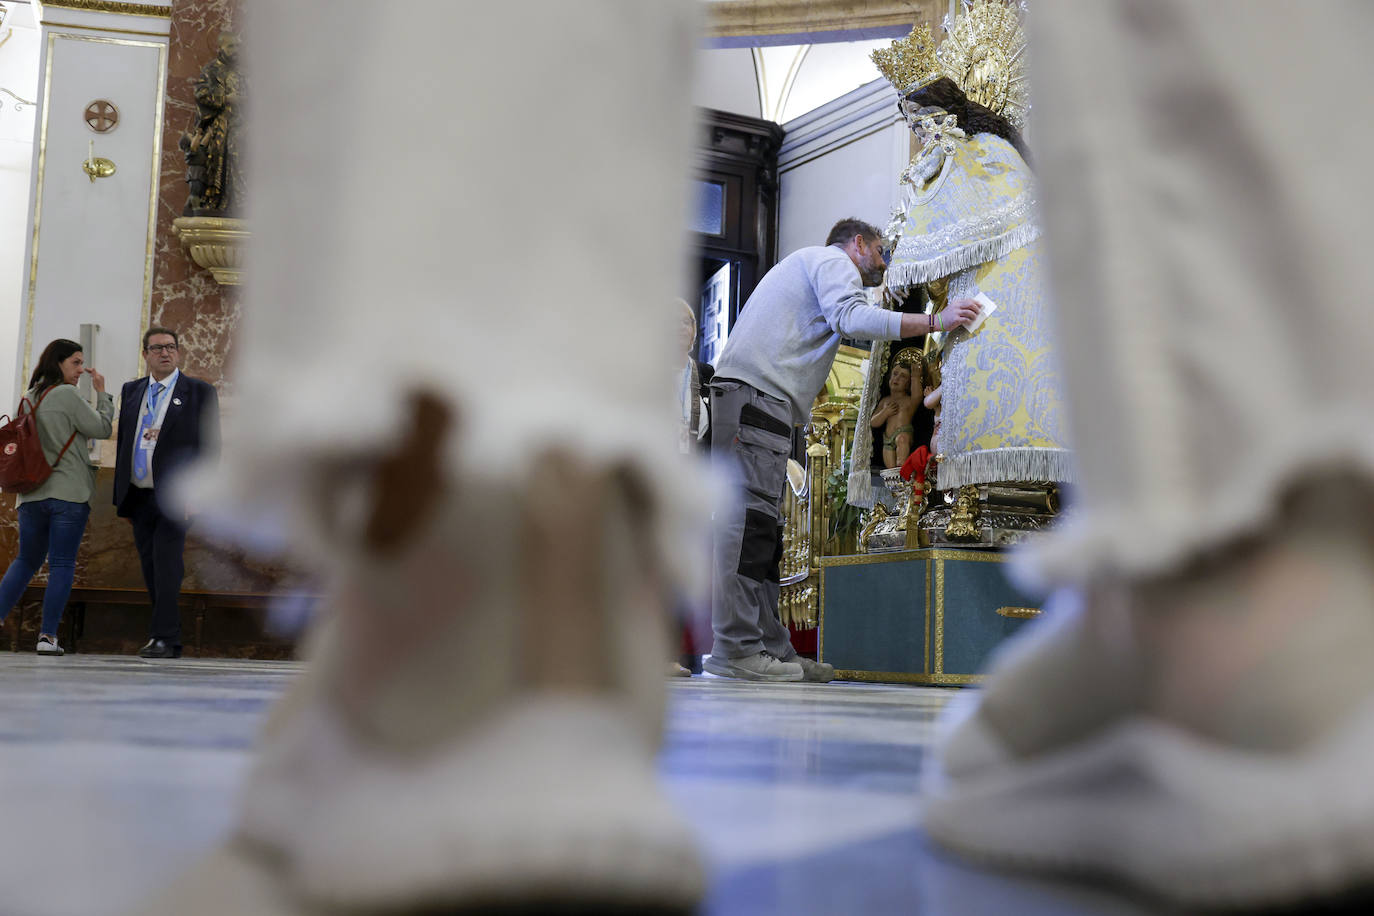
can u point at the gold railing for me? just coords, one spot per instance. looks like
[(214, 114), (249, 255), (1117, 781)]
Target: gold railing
[(806, 514), (796, 598)]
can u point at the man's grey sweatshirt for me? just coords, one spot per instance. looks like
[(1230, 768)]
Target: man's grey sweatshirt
[(790, 328)]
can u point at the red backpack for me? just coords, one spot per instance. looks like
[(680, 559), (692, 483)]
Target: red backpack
[(23, 466)]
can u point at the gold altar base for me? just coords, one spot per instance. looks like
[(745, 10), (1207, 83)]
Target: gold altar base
[(987, 516)]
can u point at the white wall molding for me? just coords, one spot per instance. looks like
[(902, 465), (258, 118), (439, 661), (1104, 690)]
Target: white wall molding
[(19, 54), (865, 111), (89, 254), (838, 161)]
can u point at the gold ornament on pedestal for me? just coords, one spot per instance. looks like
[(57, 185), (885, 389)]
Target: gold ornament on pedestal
[(209, 229), (964, 521)]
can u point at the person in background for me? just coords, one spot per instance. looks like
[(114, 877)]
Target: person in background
[(166, 419), (694, 376), (694, 437), (52, 517), (773, 366)]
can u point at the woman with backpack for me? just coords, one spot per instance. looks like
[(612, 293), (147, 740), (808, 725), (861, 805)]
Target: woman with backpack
[(52, 516)]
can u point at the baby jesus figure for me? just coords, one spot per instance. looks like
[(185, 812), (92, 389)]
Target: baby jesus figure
[(894, 413)]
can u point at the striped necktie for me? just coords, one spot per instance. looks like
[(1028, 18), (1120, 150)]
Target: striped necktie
[(141, 454)]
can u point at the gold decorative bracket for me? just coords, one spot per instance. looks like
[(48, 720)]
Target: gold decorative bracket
[(114, 6), (215, 244), (729, 18), (964, 521)]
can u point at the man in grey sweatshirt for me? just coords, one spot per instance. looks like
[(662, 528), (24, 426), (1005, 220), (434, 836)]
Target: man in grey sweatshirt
[(774, 364)]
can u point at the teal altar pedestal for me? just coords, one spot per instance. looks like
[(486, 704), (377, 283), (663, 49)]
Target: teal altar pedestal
[(930, 616)]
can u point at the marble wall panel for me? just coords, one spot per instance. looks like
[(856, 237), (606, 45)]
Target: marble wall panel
[(184, 296)]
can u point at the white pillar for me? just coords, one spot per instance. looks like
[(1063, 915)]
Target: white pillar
[(19, 46), (89, 244)]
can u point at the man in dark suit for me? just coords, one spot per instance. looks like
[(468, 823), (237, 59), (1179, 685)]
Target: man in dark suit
[(165, 420)]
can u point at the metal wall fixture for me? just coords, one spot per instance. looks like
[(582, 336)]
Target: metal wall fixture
[(18, 103), (97, 166), (101, 116)]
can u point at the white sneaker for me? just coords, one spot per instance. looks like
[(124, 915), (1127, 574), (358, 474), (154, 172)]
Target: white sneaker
[(48, 646), (1206, 738), (762, 666), (815, 672)]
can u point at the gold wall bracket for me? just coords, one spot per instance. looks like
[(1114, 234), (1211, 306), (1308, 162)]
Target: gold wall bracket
[(98, 167), (215, 243)]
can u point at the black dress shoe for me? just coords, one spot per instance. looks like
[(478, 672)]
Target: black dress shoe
[(159, 648)]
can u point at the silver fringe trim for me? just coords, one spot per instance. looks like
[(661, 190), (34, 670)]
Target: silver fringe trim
[(988, 221), (966, 257), (860, 489), (1042, 465), (860, 492)]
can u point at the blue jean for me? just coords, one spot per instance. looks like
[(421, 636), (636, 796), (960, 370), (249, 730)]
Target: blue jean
[(50, 528)]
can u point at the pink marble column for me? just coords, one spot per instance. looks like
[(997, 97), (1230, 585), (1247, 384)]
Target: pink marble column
[(185, 297)]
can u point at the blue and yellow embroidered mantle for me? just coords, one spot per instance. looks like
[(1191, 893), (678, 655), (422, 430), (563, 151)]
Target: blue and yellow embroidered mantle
[(979, 206), (968, 215)]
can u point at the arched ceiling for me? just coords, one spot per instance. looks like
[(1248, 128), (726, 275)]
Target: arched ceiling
[(779, 59), (795, 79)]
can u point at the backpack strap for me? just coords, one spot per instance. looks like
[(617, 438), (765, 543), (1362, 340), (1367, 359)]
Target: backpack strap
[(33, 409), (70, 440), (33, 405)]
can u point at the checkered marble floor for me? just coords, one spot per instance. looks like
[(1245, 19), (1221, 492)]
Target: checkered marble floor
[(117, 772)]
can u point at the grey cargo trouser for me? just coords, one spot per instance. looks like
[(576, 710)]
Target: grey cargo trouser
[(751, 437)]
